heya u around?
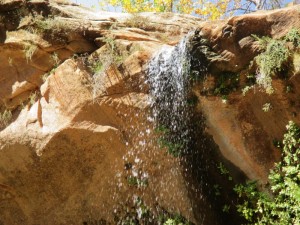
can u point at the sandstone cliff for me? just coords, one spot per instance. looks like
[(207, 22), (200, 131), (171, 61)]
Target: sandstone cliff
[(78, 147)]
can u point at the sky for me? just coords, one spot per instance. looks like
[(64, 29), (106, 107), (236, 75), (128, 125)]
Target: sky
[(88, 3)]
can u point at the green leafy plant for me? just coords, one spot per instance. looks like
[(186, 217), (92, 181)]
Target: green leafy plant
[(267, 107), (139, 213), (250, 82), (52, 28), (112, 55), (10, 61), (117, 53), (33, 97), (176, 219), (224, 99), (173, 148), (138, 182), (275, 57), (293, 36), (50, 24), (138, 21), (96, 66), (5, 118), (217, 190), (56, 60), (29, 50), (262, 41), (224, 171), (271, 62), (246, 89), (192, 100), (226, 208), (46, 75), (226, 83), (289, 89), (280, 202)]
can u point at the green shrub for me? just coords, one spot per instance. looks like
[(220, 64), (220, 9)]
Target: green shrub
[(293, 36), (55, 30), (176, 219), (224, 171), (226, 83), (50, 24), (96, 66), (112, 54), (280, 203), (262, 41), (174, 148), (138, 182), (274, 58), (271, 62), (55, 59), (5, 118), (138, 21), (29, 50)]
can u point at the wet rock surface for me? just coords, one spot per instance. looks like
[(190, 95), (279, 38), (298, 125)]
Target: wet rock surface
[(79, 146)]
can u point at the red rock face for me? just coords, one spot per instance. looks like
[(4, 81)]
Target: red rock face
[(232, 39), (76, 136), (242, 130), (64, 151)]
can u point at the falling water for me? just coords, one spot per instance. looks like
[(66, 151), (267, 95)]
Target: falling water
[(168, 78)]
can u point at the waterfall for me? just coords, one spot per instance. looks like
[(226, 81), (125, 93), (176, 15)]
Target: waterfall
[(169, 81)]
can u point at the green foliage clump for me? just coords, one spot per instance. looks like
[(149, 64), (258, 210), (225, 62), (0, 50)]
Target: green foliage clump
[(55, 59), (138, 21), (140, 213), (33, 98), (54, 25), (173, 148), (96, 66), (275, 57), (111, 55), (172, 219), (192, 100), (5, 118), (280, 204), (224, 171), (177, 220), (293, 36), (267, 107), (52, 29), (138, 182), (226, 83), (29, 51), (271, 62)]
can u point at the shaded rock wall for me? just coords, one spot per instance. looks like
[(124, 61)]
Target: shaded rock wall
[(243, 131)]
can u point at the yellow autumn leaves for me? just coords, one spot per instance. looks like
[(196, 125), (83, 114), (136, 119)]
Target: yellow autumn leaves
[(205, 9)]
